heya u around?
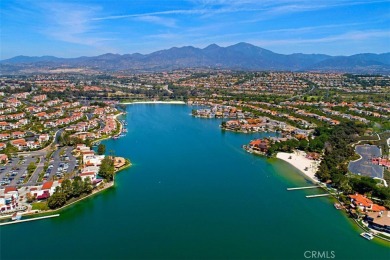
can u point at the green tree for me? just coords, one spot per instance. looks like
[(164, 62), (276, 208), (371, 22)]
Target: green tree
[(77, 186), (107, 168), (67, 189), (57, 200), (31, 167), (101, 149), (87, 185)]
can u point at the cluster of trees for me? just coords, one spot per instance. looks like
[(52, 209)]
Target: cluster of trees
[(9, 150), (316, 144), (334, 166), (65, 140), (336, 144), (338, 152), (69, 189), (367, 185), (107, 168)]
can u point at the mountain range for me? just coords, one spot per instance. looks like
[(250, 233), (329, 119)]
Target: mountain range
[(241, 56)]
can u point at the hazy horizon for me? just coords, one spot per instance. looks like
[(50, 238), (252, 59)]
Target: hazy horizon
[(22, 55)]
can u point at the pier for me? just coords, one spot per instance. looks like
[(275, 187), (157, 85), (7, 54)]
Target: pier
[(27, 220), (304, 188), (318, 195)]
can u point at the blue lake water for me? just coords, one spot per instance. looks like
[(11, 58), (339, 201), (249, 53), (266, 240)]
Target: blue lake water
[(192, 193)]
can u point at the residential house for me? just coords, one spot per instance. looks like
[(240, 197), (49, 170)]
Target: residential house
[(364, 203)]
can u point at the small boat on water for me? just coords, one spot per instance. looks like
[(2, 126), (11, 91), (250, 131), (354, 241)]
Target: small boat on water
[(338, 206), (16, 216), (367, 236)]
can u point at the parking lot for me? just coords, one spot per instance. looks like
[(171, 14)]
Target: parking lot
[(61, 162), (15, 171), (364, 165)]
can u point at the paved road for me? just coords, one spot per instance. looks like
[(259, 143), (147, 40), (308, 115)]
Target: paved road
[(16, 170)]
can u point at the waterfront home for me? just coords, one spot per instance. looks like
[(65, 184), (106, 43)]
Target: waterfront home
[(94, 169), (233, 125), (92, 160), (91, 175), (364, 203), (260, 145), (379, 221)]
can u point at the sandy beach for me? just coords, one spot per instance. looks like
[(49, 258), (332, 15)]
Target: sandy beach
[(299, 161), (155, 102)]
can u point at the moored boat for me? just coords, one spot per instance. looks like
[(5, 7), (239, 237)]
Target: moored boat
[(16, 216), (367, 236), (338, 206)]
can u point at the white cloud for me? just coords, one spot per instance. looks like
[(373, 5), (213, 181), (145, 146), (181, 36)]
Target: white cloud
[(168, 22), (72, 23)]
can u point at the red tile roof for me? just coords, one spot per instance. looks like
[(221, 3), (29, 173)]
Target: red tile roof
[(47, 185), (10, 188), (361, 200)]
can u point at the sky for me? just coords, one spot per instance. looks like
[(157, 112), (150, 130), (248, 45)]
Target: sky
[(70, 28)]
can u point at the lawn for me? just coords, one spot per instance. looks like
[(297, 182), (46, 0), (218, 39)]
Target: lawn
[(40, 206)]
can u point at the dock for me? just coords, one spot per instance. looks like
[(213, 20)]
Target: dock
[(304, 188), (318, 195), (28, 220)]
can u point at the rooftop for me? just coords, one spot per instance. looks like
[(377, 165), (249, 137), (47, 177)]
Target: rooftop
[(383, 220)]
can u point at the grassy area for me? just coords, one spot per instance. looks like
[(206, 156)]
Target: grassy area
[(384, 236), (39, 206), (41, 175)]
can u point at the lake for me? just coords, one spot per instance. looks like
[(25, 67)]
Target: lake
[(192, 193)]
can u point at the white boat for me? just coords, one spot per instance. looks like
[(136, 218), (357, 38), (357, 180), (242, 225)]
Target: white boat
[(367, 235), (16, 216), (338, 206)]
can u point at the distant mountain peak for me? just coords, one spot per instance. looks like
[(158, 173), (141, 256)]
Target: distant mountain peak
[(241, 56), (211, 47)]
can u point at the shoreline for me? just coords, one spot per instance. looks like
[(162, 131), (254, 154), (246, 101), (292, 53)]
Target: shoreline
[(112, 135), (94, 192), (154, 102), (300, 162)]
